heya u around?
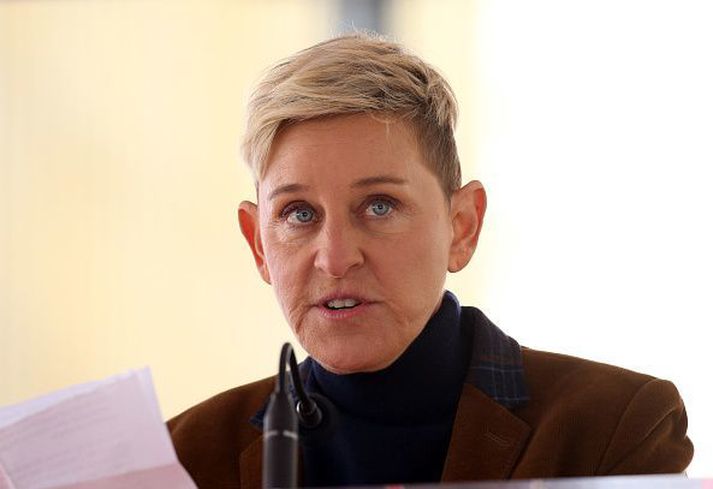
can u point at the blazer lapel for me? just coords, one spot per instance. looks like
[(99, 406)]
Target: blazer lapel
[(251, 465), (486, 440)]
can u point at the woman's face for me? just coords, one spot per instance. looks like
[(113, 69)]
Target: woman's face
[(354, 234)]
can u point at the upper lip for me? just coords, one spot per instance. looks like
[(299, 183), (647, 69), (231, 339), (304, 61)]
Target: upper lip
[(342, 296)]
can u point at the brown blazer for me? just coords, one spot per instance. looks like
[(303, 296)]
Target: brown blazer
[(583, 419)]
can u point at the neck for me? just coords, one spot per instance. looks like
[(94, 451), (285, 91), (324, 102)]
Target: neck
[(423, 384)]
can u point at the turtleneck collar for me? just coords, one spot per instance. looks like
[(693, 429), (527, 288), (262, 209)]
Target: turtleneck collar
[(422, 385)]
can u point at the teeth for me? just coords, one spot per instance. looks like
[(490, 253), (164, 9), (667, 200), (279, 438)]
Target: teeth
[(341, 304)]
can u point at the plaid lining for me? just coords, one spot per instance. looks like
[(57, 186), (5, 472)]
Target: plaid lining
[(496, 363)]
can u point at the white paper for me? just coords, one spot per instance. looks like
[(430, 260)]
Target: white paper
[(94, 435)]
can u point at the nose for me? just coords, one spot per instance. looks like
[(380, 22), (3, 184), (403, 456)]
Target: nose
[(338, 248)]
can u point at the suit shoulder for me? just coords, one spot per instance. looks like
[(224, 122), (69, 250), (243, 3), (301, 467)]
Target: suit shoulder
[(586, 391), (225, 415), (607, 419), (246, 398), (208, 436), (547, 370)]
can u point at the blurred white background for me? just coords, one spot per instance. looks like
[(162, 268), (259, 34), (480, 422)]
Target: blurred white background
[(589, 122)]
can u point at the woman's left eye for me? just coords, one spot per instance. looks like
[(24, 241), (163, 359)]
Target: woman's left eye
[(379, 208)]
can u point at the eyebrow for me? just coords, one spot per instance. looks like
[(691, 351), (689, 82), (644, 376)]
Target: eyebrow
[(286, 189), (379, 179), (363, 182)]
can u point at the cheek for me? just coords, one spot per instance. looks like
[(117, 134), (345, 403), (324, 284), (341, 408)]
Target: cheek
[(280, 253), (412, 268), (289, 271), (423, 253), (281, 265)]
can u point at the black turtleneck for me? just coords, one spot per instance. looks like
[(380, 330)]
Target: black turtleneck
[(394, 425)]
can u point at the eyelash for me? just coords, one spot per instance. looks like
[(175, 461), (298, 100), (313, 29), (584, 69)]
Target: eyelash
[(393, 204), (295, 206)]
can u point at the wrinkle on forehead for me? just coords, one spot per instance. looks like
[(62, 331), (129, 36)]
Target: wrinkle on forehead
[(314, 143)]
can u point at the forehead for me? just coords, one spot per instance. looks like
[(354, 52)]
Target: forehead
[(343, 147)]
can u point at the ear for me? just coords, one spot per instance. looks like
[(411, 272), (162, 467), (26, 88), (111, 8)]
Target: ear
[(467, 211), (250, 227)]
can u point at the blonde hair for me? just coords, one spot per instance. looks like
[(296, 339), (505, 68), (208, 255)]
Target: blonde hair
[(352, 74)]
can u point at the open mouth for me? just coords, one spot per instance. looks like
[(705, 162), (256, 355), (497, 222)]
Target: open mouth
[(341, 304)]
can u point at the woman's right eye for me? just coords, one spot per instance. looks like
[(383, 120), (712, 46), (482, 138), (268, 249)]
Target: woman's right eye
[(300, 215)]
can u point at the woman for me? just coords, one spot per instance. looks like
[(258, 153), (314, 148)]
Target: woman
[(360, 215)]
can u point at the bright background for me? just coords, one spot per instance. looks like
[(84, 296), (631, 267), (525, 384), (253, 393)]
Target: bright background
[(590, 122)]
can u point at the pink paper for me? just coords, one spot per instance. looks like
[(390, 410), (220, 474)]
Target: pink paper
[(5, 482), (99, 433)]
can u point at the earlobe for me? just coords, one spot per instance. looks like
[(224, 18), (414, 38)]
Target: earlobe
[(467, 212), (250, 227)]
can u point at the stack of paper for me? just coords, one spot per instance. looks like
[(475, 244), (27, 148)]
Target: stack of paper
[(106, 434)]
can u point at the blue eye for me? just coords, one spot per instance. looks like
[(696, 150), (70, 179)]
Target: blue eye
[(380, 208), (302, 215)]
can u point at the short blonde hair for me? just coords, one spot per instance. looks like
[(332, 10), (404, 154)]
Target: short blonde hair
[(352, 74)]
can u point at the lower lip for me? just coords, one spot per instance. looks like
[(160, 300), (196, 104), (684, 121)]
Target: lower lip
[(344, 313)]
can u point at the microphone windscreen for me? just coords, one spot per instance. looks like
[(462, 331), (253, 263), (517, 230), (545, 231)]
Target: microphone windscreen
[(326, 428)]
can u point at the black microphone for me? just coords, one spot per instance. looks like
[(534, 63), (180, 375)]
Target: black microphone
[(313, 413), (279, 464)]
